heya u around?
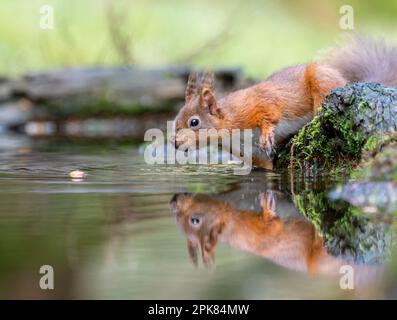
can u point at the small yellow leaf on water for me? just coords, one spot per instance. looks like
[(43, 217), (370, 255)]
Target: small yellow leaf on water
[(234, 162), (77, 174)]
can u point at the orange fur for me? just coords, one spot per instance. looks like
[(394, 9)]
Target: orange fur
[(320, 80)]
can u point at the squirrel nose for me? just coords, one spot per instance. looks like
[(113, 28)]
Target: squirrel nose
[(174, 141)]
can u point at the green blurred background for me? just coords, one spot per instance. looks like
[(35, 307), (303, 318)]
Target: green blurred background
[(259, 36), (113, 235)]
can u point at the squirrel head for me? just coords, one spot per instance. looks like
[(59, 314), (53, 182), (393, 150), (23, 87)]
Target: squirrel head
[(201, 219), (200, 111)]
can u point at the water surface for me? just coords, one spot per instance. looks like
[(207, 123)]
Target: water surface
[(114, 234)]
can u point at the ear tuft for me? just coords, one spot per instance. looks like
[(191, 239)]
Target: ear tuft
[(207, 80), (191, 87)]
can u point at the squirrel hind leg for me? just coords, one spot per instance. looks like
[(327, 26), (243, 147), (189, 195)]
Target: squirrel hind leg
[(320, 79)]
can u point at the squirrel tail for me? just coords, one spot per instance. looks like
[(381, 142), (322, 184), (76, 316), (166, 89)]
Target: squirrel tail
[(365, 60)]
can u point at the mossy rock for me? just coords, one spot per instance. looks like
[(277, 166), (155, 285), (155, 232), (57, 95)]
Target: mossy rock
[(348, 118)]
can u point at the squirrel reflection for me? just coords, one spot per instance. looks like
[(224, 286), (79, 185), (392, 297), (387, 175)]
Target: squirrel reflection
[(291, 242)]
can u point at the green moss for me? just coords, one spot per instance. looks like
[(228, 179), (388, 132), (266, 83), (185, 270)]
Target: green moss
[(349, 135), (326, 142), (372, 143)]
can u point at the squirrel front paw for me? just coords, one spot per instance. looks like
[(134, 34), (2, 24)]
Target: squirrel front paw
[(266, 142), (267, 201)]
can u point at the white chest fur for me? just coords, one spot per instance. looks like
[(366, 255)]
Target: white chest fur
[(287, 127)]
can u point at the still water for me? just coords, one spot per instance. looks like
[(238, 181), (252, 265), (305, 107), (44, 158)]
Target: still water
[(130, 230)]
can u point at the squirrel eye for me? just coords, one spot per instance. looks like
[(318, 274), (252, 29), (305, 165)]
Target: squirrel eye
[(195, 221), (194, 122)]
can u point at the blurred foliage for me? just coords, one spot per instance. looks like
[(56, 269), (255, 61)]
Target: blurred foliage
[(260, 36)]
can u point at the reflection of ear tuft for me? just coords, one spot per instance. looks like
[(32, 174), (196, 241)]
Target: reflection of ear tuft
[(208, 244), (192, 249), (208, 255)]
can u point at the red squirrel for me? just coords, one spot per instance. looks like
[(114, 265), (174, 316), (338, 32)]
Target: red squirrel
[(287, 99)]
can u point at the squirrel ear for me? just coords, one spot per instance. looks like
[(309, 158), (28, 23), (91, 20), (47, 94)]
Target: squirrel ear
[(208, 101), (191, 87)]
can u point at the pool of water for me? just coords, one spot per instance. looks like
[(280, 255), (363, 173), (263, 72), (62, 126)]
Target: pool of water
[(130, 230)]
